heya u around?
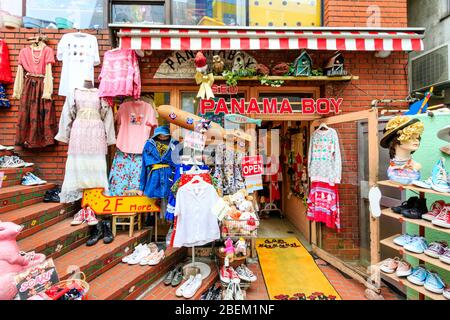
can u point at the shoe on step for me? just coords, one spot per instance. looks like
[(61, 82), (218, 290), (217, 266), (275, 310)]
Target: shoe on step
[(179, 292), (107, 231), (96, 233)]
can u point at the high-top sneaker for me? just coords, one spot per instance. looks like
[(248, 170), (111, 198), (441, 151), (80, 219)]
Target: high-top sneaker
[(96, 233), (443, 219), (419, 208), (405, 205), (439, 177), (108, 235), (435, 209)]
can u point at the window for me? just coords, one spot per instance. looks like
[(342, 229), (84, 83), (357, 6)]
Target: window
[(285, 13), (79, 14), (145, 13), (207, 12)]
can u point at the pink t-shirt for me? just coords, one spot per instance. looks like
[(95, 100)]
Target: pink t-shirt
[(136, 119), (44, 57)]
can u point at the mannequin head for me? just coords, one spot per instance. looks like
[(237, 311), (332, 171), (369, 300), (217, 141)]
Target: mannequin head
[(407, 147)]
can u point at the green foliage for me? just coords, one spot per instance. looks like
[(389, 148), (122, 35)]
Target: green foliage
[(317, 72)]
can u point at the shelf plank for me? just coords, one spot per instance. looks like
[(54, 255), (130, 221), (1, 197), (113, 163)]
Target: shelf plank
[(292, 78), (389, 242), (410, 285), (389, 183), (420, 222)]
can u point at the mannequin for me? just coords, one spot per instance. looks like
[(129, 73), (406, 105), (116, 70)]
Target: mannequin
[(402, 138)]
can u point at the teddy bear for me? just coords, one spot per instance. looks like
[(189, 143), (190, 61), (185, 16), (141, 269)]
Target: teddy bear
[(228, 250), (243, 201), (12, 261)]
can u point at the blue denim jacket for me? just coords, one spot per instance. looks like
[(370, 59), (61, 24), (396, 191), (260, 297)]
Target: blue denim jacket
[(157, 183)]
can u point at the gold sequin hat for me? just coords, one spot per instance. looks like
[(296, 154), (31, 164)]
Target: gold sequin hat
[(403, 128)]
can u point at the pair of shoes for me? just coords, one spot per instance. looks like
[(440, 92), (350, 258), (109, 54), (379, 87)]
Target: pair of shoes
[(430, 280), (101, 230), (14, 162), (233, 292), (435, 210), (411, 243), (436, 249), (213, 293), (29, 179), (244, 273), (439, 180), (174, 276), (228, 274), (190, 287), (414, 208), (53, 195), (443, 218), (397, 265), (153, 258), (133, 255), (5, 148), (84, 215)]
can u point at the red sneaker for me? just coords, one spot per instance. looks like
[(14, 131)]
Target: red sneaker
[(224, 275), (443, 219), (233, 275), (90, 217), (435, 209), (79, 218)]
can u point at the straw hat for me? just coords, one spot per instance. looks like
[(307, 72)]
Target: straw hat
[(11, 21), (395, 128)]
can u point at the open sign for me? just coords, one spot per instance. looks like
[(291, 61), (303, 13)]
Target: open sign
[(252, 166)]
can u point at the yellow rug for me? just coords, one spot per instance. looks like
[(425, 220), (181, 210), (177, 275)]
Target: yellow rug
[(290, 271)]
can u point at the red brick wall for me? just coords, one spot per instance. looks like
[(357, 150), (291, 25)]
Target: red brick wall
[(379, 78), (357, 13)]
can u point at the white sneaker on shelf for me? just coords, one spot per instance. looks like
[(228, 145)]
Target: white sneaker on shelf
[(193, 287), (138, 255), (12, 162), (37, 179), (179, 292), (245, 273), (5, 148)]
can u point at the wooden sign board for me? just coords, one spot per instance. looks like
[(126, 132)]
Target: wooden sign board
[(102, 204)]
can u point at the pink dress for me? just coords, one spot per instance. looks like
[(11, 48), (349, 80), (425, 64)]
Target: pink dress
[(91, 131), (120, 75)]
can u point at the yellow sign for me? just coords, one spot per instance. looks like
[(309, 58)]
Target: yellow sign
[(285, 13), (102, 204)]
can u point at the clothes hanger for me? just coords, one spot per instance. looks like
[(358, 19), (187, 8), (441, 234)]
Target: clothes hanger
[(196, 179), (323, 126), (80, 34)]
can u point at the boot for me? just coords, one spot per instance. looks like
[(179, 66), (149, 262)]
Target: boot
[(416, 212), (107, 232), (406, 205), (96, 233)]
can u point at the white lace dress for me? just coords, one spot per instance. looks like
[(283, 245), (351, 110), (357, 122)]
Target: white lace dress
[(90, 130)]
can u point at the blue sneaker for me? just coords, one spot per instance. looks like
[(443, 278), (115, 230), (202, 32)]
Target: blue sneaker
[(417, 245), (27, 180), (404, 239), (418, 276), (35, 178), (439, 177), (434, 283)]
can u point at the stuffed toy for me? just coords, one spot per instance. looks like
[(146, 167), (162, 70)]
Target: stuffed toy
[(228, 250), (240, 247), (200, 62), (12, 261), (243, 201), (218, 65)]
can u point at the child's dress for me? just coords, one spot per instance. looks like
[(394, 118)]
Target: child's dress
[(90, 131)]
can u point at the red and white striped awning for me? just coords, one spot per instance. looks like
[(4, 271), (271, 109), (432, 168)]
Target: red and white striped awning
[(246, 38)]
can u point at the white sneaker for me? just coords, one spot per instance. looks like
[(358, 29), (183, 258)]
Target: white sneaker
[(138, 255), (12, 162), (137, 248), (193, 287), (238, 294), (179, 292), (245, 273), (5, 148), (37, 179)]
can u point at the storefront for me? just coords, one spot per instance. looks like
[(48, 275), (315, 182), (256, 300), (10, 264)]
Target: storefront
[(297, 81)]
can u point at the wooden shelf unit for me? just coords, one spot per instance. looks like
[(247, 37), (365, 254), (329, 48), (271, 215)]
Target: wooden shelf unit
[(292, 78), (412, 188), (422, 224), (389, 242), (419, 222), (419, 289)]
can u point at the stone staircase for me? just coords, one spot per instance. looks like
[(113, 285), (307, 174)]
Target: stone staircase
[(47, 230)]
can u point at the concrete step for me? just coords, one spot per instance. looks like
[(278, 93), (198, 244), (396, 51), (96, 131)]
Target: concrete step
[(13, 176), (97, 259), (16, 197), (125, 282), (39, 216), (57, 239)]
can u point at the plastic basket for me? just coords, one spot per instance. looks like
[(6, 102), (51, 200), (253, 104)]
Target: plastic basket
[(246, 228)]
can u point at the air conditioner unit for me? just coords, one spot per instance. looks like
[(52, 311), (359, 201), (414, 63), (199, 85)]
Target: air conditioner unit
[(431, 68)]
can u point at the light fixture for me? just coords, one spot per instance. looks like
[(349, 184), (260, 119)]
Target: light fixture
[(382, 54)]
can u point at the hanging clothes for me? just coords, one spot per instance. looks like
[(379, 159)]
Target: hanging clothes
[(79, 54), (157, 168), (125, 173), (180, 169), (120, 75), (197, 225), (36, 127), (5, 66), (323, 204), (228, 170), (90, 131), (324, 157)]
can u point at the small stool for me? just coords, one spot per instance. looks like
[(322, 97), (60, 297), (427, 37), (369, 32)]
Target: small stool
[(133, 219)]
